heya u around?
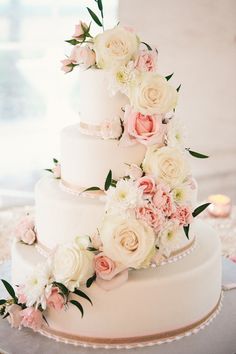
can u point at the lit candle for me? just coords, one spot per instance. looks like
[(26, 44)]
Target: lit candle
[(220, 206)]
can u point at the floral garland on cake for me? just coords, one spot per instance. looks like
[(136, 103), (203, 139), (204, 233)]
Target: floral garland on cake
[(147, 210)]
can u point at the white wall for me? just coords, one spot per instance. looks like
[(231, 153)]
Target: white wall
[(197, 40)]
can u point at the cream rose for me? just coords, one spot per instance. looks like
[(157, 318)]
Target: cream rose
[(153, 94), (167, 164), (127, 240), (115, 47), (72, 265)]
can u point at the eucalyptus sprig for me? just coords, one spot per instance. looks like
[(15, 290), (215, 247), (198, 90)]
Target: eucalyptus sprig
[(95, 18), (196, 154)]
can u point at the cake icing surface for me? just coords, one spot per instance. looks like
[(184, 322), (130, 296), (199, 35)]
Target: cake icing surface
[(115, 255)]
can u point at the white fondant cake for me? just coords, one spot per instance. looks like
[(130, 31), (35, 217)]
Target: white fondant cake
[(153, 302), (115, 223)]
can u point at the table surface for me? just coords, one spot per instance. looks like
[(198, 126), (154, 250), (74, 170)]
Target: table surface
[(218, 338)]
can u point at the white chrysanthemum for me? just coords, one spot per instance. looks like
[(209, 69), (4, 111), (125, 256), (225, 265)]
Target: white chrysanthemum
[(176, 133), (126, 195), (35, 287), (183, 193), (170, 238), (122, 77)]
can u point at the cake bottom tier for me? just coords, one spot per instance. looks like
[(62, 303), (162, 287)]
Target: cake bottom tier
[(154, 304)]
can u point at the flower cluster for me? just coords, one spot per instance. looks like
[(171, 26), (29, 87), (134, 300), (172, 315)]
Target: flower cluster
[(53, 284)]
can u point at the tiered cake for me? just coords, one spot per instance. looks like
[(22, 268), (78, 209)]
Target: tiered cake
[(115, 240)]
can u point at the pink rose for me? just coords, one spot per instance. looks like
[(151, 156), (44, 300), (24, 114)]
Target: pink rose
[(31, 318), (153, 217), (134, 171), (55, 300), (25, 231), (80, 29), (105, 268), (83, 56), (57, 171), (163, 200), (233, 258), (145, 129), (14, 317), (20, 294), (146, 60), (66, 65), (147, 184), (183, 215)]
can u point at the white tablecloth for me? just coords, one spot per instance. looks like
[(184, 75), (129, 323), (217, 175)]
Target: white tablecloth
[(218, 338)]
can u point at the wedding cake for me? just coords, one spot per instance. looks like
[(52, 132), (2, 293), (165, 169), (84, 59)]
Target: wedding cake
[(115, 256)]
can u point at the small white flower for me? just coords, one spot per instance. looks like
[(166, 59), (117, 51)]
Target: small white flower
[(176, 133), (133, 171), (36, 284), (111, 129), (122, 77), (126, 195), (184, 194), (169, 238)]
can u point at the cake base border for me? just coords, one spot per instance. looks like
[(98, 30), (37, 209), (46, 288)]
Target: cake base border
[(132, 342)]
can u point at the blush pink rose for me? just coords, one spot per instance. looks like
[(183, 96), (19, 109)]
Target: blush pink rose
[(163, 200), (66, 65), (31, 318), (153, 217), (83, 56), (133, 171), (183, 215), (147, 184), (25, 230), (145, 129), (14, 317), (233, 258), (105, 268), (79, 30), (20, 294), (55, 300), (146, 60)]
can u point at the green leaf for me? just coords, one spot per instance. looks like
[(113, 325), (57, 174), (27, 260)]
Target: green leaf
[(108, 181), (92, 189), (91, 280), (78, 305), (200, 209), (147, 45), (94, 17), (62, 287), (197, 154), (45, 320), (48, 169), (82, 294), (100, 6), (2, 302), (168, 77), (7, 314), (72, 41), (55, 161), (186, 230), (9, 289), (91, 249), (178, 88)]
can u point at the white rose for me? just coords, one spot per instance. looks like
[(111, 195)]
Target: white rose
[(127, 241), (153, 94), (115, 47), (72, 265), (166, 163)]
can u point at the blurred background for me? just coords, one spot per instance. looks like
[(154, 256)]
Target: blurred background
[(195, 39)]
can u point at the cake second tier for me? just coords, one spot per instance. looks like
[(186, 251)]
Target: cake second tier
[(86, 161)]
